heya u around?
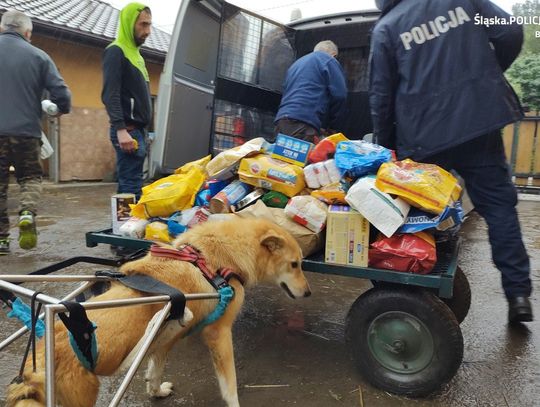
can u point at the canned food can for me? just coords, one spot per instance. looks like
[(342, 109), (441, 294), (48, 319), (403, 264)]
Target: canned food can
[(249, 198), (228, 196)]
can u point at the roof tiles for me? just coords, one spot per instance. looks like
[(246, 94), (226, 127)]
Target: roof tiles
[(94, 17)]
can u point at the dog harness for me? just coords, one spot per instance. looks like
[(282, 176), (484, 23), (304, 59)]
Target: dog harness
[(219, 280)]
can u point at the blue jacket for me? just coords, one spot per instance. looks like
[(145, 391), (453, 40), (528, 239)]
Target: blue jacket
[(314, 91), (435, 80)]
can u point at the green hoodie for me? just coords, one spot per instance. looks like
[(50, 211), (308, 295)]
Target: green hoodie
[(126, 41)]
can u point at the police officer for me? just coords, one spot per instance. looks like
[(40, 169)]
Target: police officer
[(438, 95)]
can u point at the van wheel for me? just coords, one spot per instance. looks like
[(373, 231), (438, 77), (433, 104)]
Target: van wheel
[(461, 300), (405, 341)]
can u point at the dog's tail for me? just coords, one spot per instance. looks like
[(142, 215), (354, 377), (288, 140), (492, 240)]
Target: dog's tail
[(27, 393)]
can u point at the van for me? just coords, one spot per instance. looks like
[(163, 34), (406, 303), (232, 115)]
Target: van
[(223, 76)]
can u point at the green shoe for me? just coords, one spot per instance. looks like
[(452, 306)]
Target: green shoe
[(27, 230), (4, 246)]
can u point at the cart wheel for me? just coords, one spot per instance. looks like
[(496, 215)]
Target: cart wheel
[(461, 300), (404, 341)]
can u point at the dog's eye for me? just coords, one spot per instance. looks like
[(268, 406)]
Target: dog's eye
[(294, 264)]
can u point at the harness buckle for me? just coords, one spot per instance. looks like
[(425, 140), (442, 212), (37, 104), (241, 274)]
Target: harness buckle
[(219, 282)]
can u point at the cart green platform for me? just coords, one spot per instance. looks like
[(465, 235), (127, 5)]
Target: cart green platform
[(404, 332)]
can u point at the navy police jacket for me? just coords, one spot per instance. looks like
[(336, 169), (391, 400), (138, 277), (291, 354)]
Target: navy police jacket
[(437, 74), (315, 92)]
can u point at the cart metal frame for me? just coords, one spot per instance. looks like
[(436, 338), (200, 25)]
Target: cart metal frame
[(441, 279)]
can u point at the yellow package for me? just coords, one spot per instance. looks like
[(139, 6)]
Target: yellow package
[(331, 194), (158, 232), (265, 172), (336, 138), (425, 186), (173, 193), (229, 158)]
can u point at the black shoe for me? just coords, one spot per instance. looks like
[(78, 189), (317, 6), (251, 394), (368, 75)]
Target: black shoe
[(519, 309)]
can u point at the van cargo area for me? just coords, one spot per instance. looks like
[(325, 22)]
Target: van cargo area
[(223, 77)]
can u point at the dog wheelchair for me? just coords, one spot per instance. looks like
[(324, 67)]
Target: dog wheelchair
[(404, 332), (79, 327)]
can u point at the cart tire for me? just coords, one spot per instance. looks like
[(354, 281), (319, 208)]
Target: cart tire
[(461, 300), (405, 341)]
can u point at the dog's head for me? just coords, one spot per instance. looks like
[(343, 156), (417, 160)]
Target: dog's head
[(282, 262)]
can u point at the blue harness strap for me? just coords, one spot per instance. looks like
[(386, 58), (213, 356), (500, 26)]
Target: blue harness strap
[(22, 312), (82, 335), (218, 280)]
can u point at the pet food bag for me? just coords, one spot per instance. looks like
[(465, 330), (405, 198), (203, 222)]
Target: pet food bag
[(425, 186), (224, 165), (419, 220), (265, 172), (173, 193), (358, 158), (414, 253), (383, 211)]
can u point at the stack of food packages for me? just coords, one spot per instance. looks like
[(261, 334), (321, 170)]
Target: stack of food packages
[(330, 194)]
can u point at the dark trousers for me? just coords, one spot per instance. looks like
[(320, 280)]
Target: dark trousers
[(129, 166), (483, 166), (23, 154), (297, 129)]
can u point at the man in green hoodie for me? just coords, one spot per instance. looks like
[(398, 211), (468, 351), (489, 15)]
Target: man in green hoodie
[(126, 96)]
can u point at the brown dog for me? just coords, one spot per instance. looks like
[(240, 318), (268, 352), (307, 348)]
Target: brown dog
[(256, 250)]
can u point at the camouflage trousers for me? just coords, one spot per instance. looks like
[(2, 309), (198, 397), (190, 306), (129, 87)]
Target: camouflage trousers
[(23, 154)]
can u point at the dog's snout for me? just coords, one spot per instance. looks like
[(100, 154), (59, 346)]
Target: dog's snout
[(307, 293)]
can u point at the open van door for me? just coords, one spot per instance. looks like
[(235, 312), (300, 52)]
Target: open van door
[(221, 83), (186, 87)]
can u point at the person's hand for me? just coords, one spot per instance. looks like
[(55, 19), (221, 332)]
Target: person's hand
[(126, 142)]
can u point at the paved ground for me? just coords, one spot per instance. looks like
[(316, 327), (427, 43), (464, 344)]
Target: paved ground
[(299, 345)]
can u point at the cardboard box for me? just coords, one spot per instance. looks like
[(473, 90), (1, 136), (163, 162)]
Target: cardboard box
[(291, 150), (347, 237), (120, 210)]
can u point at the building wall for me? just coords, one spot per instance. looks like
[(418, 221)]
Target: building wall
[(85, 150)]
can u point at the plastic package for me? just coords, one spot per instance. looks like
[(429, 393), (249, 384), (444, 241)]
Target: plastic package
[(322, 173), (307, 211), (134, 227), (326, 148), (173, 193), (383, 211), (331, 194), (414, 253), (312, 181), (332, 170), (223, 165), (157, 231), (358, 158)]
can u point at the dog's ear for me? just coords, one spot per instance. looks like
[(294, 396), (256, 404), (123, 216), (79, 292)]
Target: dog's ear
[(272, 241)]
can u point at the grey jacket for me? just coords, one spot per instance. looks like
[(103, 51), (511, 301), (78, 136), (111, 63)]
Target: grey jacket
[(25, 73)]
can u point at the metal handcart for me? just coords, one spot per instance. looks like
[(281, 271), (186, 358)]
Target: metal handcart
[(404, 332)]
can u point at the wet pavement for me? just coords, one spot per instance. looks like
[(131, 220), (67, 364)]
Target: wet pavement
[(293, 352)]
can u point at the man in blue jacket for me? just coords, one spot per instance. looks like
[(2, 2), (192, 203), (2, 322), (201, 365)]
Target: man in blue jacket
[(26, 72), (314, 95), (438, 95)]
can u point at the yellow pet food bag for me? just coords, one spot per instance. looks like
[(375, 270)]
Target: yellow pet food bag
[(425, 186), (173, 193), (266, 172)]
